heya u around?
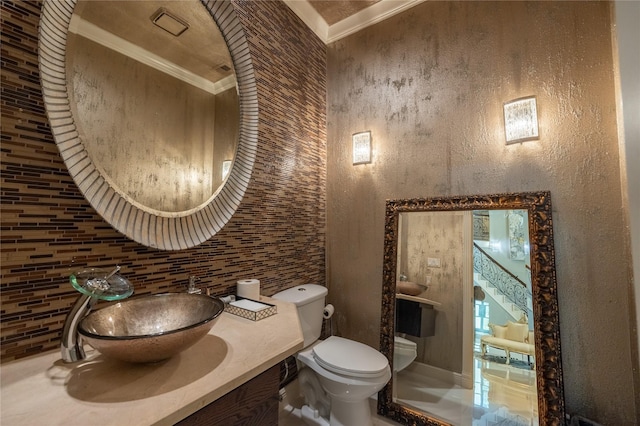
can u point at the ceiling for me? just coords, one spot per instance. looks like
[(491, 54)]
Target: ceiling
[(335, 11), (332, 20), (129, 21)]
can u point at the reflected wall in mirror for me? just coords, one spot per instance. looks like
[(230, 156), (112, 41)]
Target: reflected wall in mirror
[(146, 110), (469, 311)]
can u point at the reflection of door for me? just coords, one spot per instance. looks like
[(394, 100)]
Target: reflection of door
[(481, 322), (467, 297)]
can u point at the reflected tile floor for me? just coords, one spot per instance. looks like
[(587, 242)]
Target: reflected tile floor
[(502, 395)]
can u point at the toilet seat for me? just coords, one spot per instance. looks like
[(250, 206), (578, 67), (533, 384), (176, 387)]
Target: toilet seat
[(350, 358)]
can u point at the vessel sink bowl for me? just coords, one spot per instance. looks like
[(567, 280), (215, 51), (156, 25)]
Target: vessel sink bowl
[(150, 328), (410, 288)]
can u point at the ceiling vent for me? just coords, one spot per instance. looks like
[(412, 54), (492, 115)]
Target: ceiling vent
[(168, 22)]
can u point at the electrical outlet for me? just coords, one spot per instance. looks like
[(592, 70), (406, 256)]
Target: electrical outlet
[(433, 262)]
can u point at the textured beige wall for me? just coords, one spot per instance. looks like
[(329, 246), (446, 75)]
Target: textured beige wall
[(429, 83)]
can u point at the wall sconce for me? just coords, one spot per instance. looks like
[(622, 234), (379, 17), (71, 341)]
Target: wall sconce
[(521, 120), (226, 168), (361, 147)]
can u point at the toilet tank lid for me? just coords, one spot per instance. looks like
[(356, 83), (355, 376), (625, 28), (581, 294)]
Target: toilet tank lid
[(302, 294)]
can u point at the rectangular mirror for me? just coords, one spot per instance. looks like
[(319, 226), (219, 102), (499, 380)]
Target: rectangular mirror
[(469, 315)]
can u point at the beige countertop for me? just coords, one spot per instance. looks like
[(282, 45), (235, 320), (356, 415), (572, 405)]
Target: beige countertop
[(42, 390), (418, 299)]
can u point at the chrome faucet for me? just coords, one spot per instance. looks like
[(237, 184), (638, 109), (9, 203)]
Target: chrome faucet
[(94, 285), (71, 346), (192, 286)]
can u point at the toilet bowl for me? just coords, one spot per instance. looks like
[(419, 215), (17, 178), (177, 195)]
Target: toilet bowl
[(345, 371), (404, 352), (349, 372)]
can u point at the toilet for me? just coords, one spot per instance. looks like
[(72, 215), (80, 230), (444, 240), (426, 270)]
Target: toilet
[(339, 374), (404, 352)]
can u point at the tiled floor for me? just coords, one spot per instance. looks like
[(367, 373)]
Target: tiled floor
[(497, 386)]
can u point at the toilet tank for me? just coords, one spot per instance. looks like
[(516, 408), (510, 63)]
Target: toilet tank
[(309, 299)]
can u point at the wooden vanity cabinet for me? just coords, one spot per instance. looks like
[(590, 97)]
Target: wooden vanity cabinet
[(254, 403)]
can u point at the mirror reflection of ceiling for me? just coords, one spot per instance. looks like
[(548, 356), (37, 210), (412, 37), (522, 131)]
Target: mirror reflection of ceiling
[(197, 49)]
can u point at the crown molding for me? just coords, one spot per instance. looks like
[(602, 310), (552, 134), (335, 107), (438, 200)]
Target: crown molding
[(311, 17), (378, 12)]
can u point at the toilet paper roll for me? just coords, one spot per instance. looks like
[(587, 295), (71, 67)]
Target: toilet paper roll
[(249, 289), (328, 311)]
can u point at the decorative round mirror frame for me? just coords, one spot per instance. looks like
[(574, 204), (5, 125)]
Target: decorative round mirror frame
[(152, 230), (551, 410)]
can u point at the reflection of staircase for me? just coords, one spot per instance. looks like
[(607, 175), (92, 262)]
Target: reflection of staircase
[(506, 284), (491, 291)]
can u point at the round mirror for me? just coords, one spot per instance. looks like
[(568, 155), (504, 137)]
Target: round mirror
[(148, 115)]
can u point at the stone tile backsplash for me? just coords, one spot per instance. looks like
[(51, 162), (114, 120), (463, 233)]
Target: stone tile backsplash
[(49, 229)]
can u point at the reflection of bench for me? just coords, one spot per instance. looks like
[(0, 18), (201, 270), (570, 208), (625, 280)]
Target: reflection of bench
[(513, 337)]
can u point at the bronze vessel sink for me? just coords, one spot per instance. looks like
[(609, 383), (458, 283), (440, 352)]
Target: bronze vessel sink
[(150, 328)]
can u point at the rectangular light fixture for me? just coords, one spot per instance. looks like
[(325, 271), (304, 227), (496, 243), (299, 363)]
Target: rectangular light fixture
[(521, 120), (361, 147)]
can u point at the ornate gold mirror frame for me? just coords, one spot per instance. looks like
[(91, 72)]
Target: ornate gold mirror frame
[(551, 409), (162, 231)]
